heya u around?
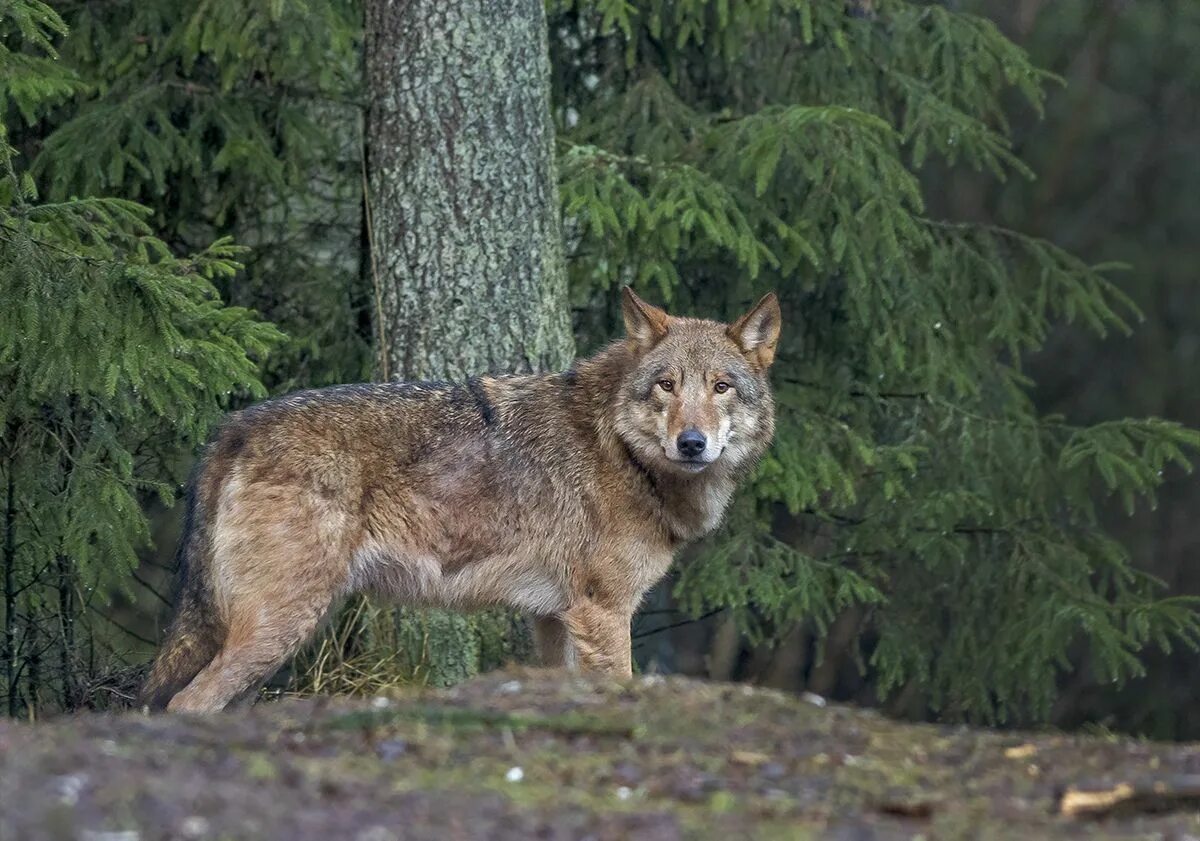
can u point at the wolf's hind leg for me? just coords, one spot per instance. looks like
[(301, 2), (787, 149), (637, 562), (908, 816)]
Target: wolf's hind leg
[(599, 639), (280, 562), (256, 647)]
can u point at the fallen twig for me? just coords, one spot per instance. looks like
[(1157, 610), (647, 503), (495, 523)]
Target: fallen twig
[(1161, 794)]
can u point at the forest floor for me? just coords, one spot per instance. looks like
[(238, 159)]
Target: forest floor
[(528, 754)]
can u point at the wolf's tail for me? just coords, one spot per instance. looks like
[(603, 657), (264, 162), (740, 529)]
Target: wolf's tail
[(197, 631)]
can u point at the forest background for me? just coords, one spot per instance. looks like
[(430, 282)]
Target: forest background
[(979, 216)]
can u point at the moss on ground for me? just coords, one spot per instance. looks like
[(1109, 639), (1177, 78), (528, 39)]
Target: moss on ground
[(529, 754)]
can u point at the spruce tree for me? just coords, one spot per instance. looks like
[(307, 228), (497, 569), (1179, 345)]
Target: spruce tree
[(713, 151), (231, 119), (116, 356), (1117, 180)]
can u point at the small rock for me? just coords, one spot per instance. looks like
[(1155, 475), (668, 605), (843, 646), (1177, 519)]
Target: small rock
[(773, 771), (813, 698), (626, 774), (194, 826), (376, 833), (510, 687), (381, 703), (391, 749), (514, 775), (624, 793), (69, 787)]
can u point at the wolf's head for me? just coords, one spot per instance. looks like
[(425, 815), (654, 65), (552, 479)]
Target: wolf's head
[(697, 396)]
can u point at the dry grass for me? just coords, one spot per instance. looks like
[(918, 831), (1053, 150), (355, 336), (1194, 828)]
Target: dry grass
[(338, 662)]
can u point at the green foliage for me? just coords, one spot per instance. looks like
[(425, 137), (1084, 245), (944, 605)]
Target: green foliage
[(231, 119), (1118, 181), (116, 357), (713, 151), (710, 150), (30, 78)]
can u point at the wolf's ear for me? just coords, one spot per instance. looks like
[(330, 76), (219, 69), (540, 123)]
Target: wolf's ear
[(757, 332), (645, 324)]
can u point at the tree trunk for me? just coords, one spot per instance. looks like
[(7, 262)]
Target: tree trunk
[(10, 589), (66, 618), (466, 236)]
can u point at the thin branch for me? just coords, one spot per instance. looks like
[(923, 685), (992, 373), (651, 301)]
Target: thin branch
[(679, 624), (886, 395), (121, 627), (150, 587)]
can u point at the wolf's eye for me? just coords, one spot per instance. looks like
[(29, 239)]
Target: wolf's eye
[(721, 387), (666, 385)]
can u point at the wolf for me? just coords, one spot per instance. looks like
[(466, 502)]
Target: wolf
[(563, 495)]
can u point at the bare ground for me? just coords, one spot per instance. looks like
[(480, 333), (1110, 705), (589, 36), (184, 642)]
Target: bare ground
[(528, 754)]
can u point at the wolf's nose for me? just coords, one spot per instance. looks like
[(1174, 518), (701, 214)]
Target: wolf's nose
[(691, 443)]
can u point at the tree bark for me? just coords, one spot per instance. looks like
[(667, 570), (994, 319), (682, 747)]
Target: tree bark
[(464, 229), (463, 197)]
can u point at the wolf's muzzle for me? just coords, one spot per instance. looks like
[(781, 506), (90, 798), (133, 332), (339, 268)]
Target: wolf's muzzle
[(691, 443)]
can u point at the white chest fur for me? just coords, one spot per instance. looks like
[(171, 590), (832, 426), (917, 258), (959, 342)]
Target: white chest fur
[(696, 509)]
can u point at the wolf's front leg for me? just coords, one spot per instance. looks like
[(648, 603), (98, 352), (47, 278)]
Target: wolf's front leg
[(598, 639)]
